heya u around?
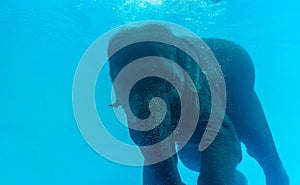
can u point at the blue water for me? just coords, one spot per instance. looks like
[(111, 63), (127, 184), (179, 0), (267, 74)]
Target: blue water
[(42, 42)]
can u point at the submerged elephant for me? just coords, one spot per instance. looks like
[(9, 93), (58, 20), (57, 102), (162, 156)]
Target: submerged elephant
[(244, 120)]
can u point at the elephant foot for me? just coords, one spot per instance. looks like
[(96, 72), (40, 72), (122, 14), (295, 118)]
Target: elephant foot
[(236, 178), (277, 176), (274, 171)]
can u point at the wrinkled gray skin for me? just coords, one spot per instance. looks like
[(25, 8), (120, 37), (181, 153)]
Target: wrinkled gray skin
[(244, 120)]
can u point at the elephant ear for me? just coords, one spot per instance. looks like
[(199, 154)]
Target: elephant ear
[(210, 86), (195, 73)]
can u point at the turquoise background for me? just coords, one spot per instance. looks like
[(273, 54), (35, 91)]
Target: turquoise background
[(41, 43)]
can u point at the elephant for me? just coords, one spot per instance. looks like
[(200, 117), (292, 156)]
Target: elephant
[(244, 120)]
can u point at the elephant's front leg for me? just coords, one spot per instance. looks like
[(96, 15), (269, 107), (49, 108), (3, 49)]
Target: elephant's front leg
[(220, 159), (160, 157), (162, 173)]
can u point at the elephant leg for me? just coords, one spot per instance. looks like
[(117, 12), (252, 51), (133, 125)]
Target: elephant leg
[(162, 173), (254, 132), (220, 159)]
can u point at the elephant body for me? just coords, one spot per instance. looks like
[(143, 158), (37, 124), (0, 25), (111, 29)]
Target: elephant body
[(244, 120)]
